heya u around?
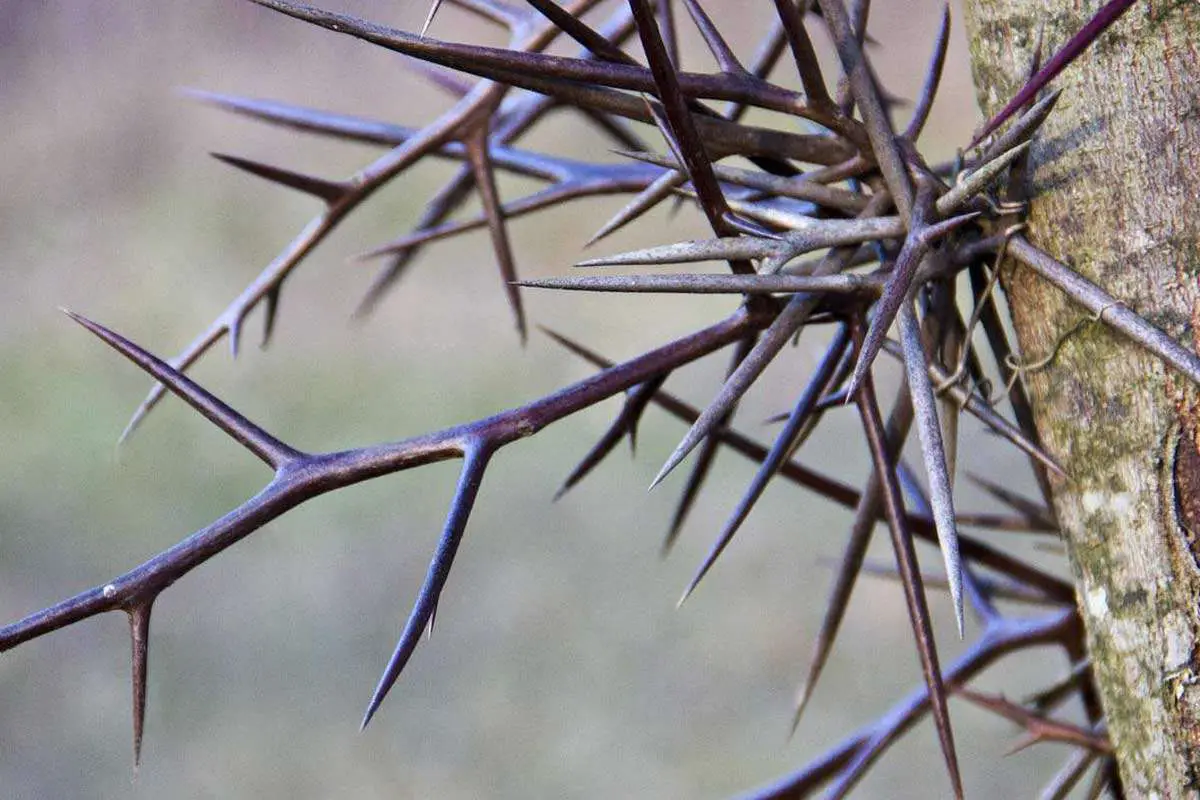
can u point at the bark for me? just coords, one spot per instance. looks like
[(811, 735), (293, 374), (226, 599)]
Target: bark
[(1116, 188)]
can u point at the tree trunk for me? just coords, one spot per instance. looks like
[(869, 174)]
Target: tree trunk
[(1116, 188)]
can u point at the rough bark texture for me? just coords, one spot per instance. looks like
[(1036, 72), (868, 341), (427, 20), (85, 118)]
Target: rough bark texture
[(1117, 194)]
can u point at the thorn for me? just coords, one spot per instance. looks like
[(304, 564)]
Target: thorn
[(933, 453), (139, 634), (235, 336), (652, 195), (262, 444), (692, 251), (636, 401), (270, 309), (1106, 16), (900, 285), (485, 181), (779, 452), (475, 461), (803, 696), (433, 9), (328, 191), (790, 320)]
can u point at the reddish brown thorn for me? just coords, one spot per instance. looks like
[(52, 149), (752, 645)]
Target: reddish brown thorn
[(690, 147), (720, 49), (906, 561), (139, 637), (1038, 727), (866, 94), (1106, 16), (485, 180), (792, 21)]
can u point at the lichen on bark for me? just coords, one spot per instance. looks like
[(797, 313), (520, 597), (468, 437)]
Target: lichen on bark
[(1116, 192)]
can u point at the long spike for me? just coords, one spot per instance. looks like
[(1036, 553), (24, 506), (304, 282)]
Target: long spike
[(329, 191), (1053, 587), (785, 325), (704, 461), (933, 77), (662, 188), (139, 637), (914, 594), (772, 341), (273, 452), (940, 493), (524, 67), (1115, 314), (690, 252), (779, 452), (625, 424), (866, 514), (1097, 25), (713, 284), (791, 19), (475, 461), (433, 9), (690, 147), (489, 196)]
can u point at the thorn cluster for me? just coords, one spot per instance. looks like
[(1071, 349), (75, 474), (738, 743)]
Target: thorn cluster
[(844, 224)]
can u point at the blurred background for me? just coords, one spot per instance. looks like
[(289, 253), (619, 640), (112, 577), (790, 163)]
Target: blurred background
[(560, 666)]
